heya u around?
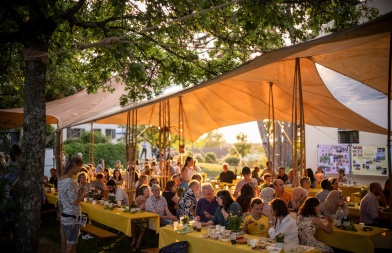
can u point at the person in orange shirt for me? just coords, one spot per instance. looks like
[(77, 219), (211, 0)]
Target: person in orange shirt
[(280, 193)]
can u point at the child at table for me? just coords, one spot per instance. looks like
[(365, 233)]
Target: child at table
[(255, 223)]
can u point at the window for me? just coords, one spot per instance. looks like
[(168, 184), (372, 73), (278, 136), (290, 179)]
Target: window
[(111, 133), (74, 132), (348, 136)]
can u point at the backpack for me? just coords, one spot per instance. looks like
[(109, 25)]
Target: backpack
[(177, 247)]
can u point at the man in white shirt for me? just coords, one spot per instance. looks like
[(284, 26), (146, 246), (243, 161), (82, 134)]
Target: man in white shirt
[(120, 194)]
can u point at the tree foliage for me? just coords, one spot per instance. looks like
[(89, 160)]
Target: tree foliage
[(213, 139), (241, 147)]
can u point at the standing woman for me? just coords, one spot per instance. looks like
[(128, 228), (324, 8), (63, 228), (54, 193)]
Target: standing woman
[(187, 171), (69, 202)]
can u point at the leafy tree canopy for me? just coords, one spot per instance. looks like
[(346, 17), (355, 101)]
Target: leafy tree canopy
[(151, 44)]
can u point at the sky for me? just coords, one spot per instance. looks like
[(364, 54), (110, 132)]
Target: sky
[(230, 132), (250, 129)]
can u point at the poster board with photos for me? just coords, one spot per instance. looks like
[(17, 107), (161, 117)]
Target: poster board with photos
[(332, 158), (369, 160)]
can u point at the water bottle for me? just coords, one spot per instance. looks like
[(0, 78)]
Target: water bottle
[(346, 221)]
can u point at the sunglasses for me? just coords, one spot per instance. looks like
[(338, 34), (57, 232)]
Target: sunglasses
[(221, 197)]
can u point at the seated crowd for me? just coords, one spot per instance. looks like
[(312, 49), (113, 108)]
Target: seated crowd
[(261, 200)]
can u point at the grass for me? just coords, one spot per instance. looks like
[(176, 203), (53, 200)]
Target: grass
[(212, 169)]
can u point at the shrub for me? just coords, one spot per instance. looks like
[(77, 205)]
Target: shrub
[(109, 152), (189, 153), (199, 158), (232, 160), (210, 157)]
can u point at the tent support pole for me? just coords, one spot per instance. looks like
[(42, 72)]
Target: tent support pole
[(389, 120), (271, 110), (298, 124), (130, 136), (59, 151)]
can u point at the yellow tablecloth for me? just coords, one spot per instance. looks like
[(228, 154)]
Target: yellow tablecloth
[(354, 211), (358, 242), (52, 198), (348, 190), (312, 191), (197, 244), (355, 197), (118, 219)]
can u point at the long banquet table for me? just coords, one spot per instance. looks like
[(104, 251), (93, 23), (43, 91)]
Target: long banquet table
[(51, 198), (198, 244), (360, 241), (119, 220)]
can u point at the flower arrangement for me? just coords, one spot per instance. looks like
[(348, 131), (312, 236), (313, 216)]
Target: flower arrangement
[(180, 191), (112, 199), (279, 237), (133, 205), (185, 219), (363, 192), (234, 221)]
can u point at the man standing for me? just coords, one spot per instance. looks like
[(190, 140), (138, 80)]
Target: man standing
[(369, 213), (53, 177), (282, 175), (157, 204), (269, 169), (118, 192), (144, 149), (227, 176), (247, 180), (206, 206), (280, 193)]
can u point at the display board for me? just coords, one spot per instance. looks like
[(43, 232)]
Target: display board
[(332, 158), (369, 160)]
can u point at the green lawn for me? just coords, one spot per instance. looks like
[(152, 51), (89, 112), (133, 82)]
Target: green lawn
[(212, 170)]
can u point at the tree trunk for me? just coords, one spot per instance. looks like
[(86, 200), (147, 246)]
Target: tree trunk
[(283, 148), (27, 224)]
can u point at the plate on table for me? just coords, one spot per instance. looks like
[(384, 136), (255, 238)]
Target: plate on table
[(184, 230), (224, 239), (241, 239), (302, 248), (204, 236)]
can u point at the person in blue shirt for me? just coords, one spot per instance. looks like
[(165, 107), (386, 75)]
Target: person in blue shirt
[(227, 206)]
